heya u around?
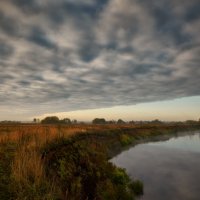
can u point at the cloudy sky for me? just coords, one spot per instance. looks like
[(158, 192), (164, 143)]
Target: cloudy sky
[(72, 55)]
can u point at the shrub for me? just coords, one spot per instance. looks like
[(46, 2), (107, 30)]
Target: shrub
[(137, 187), (85, 174), (125, 139)]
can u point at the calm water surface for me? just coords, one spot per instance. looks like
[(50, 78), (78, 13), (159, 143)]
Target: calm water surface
[(170, 170)]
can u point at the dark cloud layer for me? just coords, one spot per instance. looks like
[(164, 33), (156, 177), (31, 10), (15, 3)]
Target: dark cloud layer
[(69, 55)]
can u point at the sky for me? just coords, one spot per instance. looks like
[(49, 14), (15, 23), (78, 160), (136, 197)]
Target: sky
[(130, 58)]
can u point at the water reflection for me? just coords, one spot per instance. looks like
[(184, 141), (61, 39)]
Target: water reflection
[(170, 170), (186, 143)]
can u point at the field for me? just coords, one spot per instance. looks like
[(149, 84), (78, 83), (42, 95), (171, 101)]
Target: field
[(69, 161)]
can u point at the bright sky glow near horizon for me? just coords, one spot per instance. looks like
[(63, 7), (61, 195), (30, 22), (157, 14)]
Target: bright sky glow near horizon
[(129, 59), (172, 110)]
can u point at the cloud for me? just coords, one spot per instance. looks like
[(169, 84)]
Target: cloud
[(69, 55), (6, 50), (8, 24), (39, 37)]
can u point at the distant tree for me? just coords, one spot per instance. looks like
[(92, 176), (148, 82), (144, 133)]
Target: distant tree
[(191, 122), (120, 121), (36, 120), (156, 121), (74, 121), (65, 121), (111, 122), (50, 120), (99, 121), (10, 122)]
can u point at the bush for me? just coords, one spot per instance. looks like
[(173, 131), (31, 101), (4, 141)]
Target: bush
[(85, 174), (137, 187), (125, 139)]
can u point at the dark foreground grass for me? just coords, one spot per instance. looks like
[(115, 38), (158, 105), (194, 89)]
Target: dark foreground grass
[(82, 171), (6, 157)]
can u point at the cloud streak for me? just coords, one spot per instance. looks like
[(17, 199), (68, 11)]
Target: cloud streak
[(71, 55)]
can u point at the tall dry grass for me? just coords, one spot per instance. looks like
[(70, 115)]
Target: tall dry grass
[(27, 168)]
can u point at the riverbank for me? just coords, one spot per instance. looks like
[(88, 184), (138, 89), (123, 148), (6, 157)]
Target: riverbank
[(55, 162)]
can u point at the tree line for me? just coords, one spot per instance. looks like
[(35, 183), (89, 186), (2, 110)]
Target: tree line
[(56, 120)]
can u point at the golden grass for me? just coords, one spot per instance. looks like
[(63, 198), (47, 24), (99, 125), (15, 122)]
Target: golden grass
[(43, 133), (27, 168)]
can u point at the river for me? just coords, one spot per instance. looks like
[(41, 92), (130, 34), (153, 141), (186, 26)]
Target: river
[(170, 170)]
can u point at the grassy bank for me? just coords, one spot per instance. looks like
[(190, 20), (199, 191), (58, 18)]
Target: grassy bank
[(70, 162)]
